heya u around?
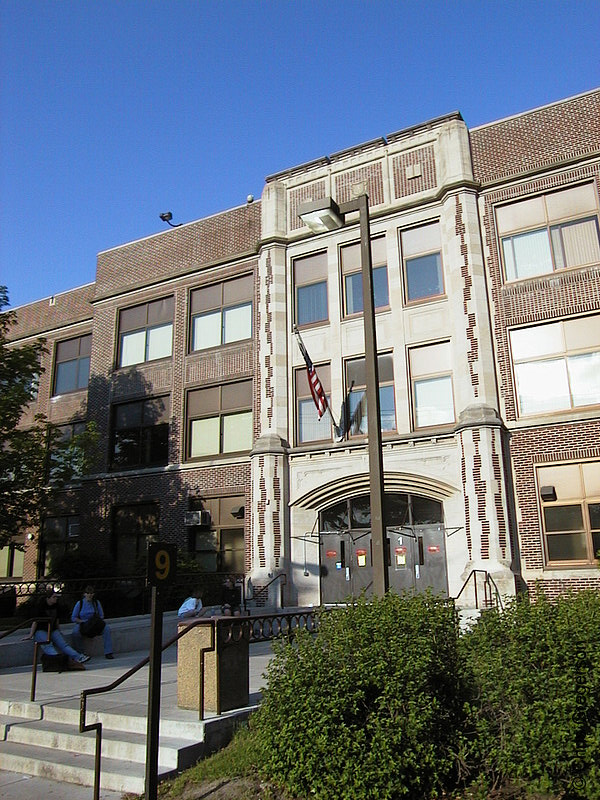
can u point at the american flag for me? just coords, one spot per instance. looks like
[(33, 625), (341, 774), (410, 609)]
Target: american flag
[(316, 387)]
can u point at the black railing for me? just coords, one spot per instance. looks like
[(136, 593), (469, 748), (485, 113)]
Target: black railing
[(36, 645), (254, 628), (261, 592), (491, 593)]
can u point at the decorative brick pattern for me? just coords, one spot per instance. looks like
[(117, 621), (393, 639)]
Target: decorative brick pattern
[(471, 333), (310, 191), (232, 360), (406, 164), (541, 138), (371, 173), (44, 316), (463, 471)]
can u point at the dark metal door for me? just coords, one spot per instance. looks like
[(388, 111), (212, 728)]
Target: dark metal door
[(418, 559), (335, 567)]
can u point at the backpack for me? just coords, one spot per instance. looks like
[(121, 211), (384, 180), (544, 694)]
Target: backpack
[(57, 663), (92, 626)]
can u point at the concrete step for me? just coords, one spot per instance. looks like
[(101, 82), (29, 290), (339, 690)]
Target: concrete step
[(44, 741), (119, 745), (59, 765)]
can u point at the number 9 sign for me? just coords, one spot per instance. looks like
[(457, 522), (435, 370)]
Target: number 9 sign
[(162, 563)]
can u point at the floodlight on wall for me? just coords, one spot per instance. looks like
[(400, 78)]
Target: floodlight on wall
[(321, 215), (548, 494), (166, 216), (239, 512)]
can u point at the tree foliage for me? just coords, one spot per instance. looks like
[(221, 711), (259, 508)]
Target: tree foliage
[(24, 488)]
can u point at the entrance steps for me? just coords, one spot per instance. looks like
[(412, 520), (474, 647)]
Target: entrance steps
[(44, 740)]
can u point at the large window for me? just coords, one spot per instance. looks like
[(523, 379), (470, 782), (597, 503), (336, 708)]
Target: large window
[(59, 536), (220, 419), (220, 548), (141, 433), (557, 366), (352, 276), (133, 528), (431, 384), (222, 313), (356, 394), (62, 465), (354, 513), (72, 364), (422, 260), (311, 428), (571, 511), (310, 286), (146, 332), (549, 232)]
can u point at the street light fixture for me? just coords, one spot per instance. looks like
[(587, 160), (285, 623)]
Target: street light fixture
[(325, 215)]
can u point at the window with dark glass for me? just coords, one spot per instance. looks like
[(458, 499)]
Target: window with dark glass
[(221, 547), (309, 427), (310, 287), (59, 536), (221, 313), (134, 526), (422, 260), (63, 435), (220, 419), (140, 435), (354, 513), (549, 232), (356, 385), (571, 520), (352, 276), (146, 332), (72, 364)]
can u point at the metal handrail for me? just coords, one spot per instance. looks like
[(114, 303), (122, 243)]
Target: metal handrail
[(288, 623), (264, 588), (489, 584), (36, 646)]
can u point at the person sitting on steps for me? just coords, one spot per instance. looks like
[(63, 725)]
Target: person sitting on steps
[(83, 611), (191, 606), (48, 612)]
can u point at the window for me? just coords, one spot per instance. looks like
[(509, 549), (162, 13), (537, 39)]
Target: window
[(431, 385), (557, 366), (571, 522), (72, 364), (146, 332), (356, 383), (422, 259), (11, 559), (549, 232), (310, 286), (309, 427), (133, 528), (141, 433), (59, 536), (220, 419), (352, 276), (354, 513), (59, 461), (221, 548), (222, 313)]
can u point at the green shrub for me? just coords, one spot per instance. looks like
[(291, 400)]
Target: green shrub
[(535, 713), (371, 707)]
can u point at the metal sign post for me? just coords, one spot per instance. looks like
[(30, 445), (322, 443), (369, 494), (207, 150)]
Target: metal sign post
[(162, 561)]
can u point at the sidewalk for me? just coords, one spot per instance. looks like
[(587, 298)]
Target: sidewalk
[(131, 698)]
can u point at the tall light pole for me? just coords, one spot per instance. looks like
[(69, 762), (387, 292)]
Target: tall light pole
[(325, 215)]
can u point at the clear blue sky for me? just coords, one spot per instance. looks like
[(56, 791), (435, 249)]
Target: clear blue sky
[(112, 111)]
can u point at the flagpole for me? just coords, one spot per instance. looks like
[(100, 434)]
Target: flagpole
[(304, 352)]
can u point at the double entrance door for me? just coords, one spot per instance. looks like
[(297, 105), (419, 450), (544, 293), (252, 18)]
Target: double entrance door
[(416, 561)]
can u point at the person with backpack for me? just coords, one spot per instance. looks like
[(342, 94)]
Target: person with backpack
[(88, 616)]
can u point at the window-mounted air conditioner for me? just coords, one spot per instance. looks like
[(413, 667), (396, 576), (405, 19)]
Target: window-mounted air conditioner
[(196, 518)]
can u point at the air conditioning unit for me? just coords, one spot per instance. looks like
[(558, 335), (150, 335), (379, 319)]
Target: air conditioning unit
[(197, 518)]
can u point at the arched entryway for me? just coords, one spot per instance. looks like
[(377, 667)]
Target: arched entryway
[(416, 546)]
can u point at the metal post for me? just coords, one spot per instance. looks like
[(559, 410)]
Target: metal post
[(376, 486), (154, 696)]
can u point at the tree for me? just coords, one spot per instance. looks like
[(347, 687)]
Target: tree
[(24, 488)]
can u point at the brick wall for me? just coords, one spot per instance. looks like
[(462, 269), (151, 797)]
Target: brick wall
[(541, 138), (179, 251)]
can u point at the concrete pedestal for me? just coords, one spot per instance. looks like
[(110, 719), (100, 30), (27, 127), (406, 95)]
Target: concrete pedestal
[(226, 678)]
